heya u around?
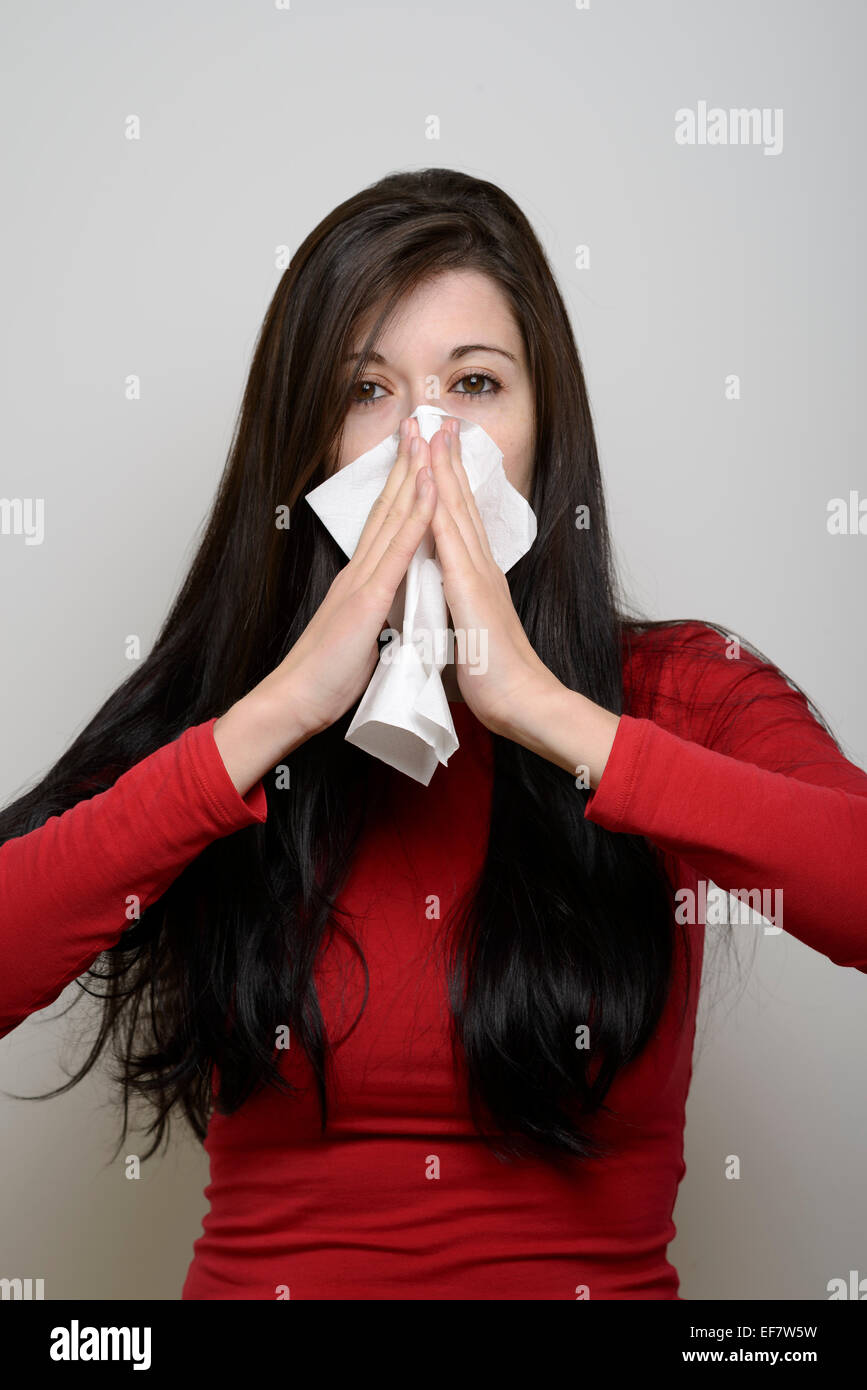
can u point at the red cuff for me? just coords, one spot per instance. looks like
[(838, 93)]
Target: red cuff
[(231, 809), (607, 804)]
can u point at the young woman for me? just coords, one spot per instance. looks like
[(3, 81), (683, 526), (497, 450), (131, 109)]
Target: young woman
[(437, 1039)]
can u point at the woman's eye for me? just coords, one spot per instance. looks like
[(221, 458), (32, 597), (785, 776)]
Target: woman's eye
[(477, 387), (479, 378), (368, 398)]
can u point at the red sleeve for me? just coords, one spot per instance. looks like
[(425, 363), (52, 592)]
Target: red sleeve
[(64, 887), (713, 792)]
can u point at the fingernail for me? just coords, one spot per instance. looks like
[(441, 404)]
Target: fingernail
[(404, 426), (413, 448)]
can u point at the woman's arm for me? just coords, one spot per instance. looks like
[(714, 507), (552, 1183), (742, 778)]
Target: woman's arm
[(67, 888), (716, 792)]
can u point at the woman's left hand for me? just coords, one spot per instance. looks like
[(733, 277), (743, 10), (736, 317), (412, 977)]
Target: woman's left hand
[(499, 674)]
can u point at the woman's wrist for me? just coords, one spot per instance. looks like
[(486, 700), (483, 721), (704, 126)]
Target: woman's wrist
[(565, 727), (258, 731)]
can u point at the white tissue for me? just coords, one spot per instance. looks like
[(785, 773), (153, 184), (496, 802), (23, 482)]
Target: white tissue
[(403, 717)]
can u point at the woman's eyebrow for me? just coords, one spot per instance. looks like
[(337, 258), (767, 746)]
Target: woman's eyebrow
[(456, 352)]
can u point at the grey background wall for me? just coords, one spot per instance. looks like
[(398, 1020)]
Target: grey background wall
[(157, 257)]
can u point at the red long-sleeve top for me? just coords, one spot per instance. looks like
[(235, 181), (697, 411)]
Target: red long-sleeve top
[(365, 1212)]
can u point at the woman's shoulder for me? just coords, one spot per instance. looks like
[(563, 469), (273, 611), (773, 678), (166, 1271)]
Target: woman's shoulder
[(645, 639), (667, 648), (674, 668), (715, 687)]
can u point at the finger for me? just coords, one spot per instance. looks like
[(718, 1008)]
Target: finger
[(461, 474), (405, 542), (399, 510), (452, 550), (450, 493), (381, 507)]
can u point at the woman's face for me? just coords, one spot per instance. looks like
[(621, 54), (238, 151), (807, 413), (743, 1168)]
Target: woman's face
[(452, 343)]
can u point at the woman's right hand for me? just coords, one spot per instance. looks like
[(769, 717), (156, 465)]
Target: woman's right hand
[(332, 661)]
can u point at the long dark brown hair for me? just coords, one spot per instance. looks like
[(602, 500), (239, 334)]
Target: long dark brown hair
[(567, 922)]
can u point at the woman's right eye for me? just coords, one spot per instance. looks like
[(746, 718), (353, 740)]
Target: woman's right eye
[(369, 399)]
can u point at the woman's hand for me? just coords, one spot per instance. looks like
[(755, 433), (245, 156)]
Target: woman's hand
[(497, 670), (334, 658), (503, 681)]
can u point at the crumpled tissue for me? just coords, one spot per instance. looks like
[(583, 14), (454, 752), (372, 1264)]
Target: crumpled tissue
[(403, 717)]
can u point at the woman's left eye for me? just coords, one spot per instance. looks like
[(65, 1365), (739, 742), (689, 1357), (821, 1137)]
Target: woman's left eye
[(480, 376), (492, 389)]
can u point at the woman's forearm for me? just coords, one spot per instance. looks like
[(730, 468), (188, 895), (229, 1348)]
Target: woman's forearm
[(566, 728), (259, 730), (71, 888)]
